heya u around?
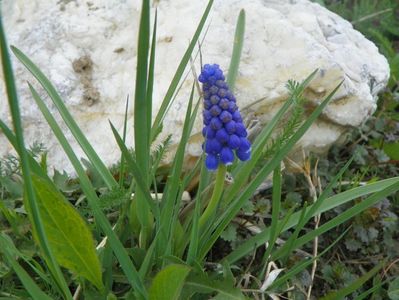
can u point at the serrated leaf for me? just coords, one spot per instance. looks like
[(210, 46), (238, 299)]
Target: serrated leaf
[(230, 234), (168, 283), (353, 245), (68, 235), (14, 188)]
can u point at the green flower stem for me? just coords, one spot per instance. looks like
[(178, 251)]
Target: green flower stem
[(217, 192)]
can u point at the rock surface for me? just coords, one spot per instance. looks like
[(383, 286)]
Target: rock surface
[(88, 50)]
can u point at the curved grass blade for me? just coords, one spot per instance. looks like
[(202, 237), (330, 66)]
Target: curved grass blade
[(67, 117), (22, 152), (331, 202), (348, 214), (307, 214), (358, 283), (299, 267), (31, 287)]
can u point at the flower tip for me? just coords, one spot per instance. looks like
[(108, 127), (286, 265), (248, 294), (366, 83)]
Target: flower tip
[(226, 156), (243, 155), (211, 162)]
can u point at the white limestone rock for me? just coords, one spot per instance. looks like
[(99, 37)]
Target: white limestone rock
[(88, 50)]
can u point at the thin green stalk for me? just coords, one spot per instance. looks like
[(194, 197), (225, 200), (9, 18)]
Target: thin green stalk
[(122, 166), (194, 235), (276, 204), (217, 193)]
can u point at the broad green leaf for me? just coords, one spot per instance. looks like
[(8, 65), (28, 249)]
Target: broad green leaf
[(68, 234), (393, 291), (92, 198), (168, 283), (204, 285), (392, 150)]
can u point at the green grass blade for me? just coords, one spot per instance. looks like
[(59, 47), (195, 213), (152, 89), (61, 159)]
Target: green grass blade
[(6, 247), (376, 286), (299, 267), (26, 172), (327, 191), (237, 50), (330, 203), (149, 258), (348, 214), (150, 83), (288, 247), (307, 214), (122, 166), (276, 204), (170, 202), (67, 117), (179, 72), (141, 129), (358, 283), (101, 220), (194, 236)]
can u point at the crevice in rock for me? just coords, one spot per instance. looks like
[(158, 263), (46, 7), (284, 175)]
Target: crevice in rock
[(84, 67)]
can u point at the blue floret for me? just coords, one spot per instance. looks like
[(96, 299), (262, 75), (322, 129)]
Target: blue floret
[(224, 132)]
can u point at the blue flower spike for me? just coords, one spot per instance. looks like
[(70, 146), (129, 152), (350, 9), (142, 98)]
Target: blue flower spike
[(224, 132)]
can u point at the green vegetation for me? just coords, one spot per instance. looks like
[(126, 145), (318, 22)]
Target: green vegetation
[(329, 230)]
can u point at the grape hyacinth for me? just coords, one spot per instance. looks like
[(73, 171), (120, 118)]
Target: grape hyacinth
[(224, 132)]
